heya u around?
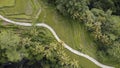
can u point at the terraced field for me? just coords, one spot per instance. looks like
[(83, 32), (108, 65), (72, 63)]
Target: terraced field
[(6, 3), (22, 10)]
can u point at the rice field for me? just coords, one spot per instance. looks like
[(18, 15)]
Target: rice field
[(7, 3)]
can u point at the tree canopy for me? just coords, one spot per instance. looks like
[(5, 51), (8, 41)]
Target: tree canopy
[(36, 47)]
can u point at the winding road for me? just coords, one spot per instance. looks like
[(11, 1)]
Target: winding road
[(59, 40)]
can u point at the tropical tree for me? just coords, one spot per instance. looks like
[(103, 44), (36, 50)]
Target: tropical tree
[(10, 50)]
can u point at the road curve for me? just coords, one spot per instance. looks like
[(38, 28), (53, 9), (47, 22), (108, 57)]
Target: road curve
[(58, 39)]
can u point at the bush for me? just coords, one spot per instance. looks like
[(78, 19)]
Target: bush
[(113, 5), (10, 49)]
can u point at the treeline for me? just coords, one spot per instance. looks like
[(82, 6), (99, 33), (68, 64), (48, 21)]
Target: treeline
[(32, 48), (98, 18)]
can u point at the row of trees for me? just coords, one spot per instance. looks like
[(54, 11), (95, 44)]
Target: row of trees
[(35, 46), (97, 16)]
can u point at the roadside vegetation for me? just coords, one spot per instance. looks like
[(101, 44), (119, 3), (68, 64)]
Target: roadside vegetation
[(33, 47)]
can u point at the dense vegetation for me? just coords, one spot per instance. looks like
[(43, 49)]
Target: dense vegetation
[(99, 20), (33, 48), (113, 5)]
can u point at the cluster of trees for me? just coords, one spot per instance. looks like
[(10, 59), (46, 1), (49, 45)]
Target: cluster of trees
[(33, 47), (98, 18), (113, 5)]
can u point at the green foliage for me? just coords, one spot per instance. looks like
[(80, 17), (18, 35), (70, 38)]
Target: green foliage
[(40, 35), (100, 24), (74, 8), (52, 55), (113, 5), (114, 51), (43, 48), (36, 46), (10, 50)]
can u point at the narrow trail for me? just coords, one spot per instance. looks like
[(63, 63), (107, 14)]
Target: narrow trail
[(59, 40)]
